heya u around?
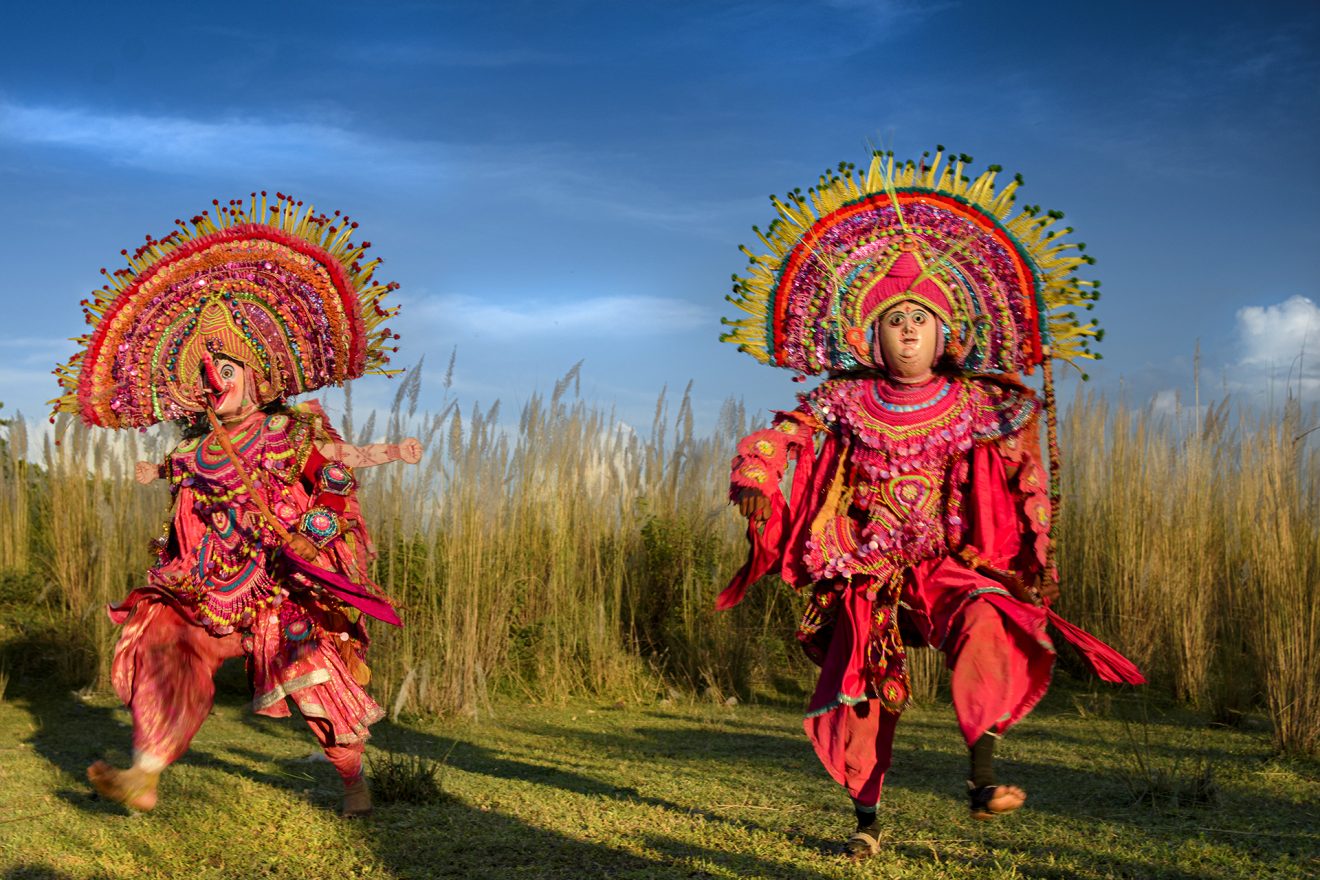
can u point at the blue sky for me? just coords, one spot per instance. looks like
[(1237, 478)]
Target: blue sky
[(557, 181)]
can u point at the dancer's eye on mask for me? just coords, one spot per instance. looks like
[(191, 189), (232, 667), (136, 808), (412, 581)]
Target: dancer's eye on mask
[(917, 316)]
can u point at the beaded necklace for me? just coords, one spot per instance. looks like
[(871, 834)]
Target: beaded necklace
[(910, 407)]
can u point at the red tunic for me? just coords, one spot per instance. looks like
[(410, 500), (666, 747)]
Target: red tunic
[(220, 589), (921, 519)]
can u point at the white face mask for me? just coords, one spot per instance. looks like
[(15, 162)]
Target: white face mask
[(907, 341)]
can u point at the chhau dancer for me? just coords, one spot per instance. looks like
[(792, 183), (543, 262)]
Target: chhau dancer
[(266, 554), (919, 511)]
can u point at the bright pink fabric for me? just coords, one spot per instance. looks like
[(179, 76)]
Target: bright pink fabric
[(997, 646), (856, 746), (842, 677), (164, 668)]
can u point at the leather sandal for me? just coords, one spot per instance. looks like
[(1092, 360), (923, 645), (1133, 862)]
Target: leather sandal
[(989, 801), (864, 843)]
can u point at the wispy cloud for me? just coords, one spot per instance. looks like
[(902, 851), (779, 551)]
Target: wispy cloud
[(180, 143), (591, 317), (568, 180)]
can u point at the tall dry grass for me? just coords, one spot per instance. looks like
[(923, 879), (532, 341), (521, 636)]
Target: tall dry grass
[(569, 553), (1190, 541), (15, 495), (1275, 535)]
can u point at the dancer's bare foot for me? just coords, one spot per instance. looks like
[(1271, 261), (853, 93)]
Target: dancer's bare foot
[(135, 788), (357, 800), (990, 801)]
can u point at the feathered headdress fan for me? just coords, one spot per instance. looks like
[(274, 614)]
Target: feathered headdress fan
[(277, 287), (858, 243)]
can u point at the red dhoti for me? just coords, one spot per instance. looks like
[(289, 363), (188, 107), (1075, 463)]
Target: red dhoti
[(164, 669)]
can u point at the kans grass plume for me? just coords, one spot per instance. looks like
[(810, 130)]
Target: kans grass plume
[(569, 553)]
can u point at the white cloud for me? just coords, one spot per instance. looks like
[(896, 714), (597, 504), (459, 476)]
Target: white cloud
[(1280, 344)]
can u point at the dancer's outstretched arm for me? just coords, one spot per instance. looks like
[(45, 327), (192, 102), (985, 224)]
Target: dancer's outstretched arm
[(408, 450)]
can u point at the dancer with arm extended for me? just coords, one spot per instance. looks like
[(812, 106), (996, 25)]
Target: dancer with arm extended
[(266, 553), (919, 509)]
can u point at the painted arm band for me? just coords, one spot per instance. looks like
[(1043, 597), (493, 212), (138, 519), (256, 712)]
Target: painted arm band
[(321, 525)]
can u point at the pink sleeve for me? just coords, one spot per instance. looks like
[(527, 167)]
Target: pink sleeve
[(759, 465), (994, 529), (1008, 505), (188, 527), (763, 455)]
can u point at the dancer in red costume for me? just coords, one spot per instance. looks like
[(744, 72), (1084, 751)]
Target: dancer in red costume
[(266, 554), (919, 510)]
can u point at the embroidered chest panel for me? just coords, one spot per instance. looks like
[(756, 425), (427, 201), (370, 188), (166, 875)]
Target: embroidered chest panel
[(228, 582), (906, 465)]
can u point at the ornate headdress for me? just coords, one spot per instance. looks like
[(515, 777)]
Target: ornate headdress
[(857, 244), (278, 288)]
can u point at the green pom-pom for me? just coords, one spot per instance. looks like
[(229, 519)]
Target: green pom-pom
[(939, 148), (1100, 334), (1086, 377)]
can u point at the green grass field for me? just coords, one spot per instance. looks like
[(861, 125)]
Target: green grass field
[(671, 789)]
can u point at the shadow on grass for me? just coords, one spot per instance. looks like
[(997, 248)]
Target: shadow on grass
[(476, 759), (928, 760), (34, 872), (70, 733), (459, 838), (467, 841)]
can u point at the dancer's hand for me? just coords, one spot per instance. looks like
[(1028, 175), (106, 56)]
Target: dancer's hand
[(300, 546), (146, 473), (410, 450), (752, 504)]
